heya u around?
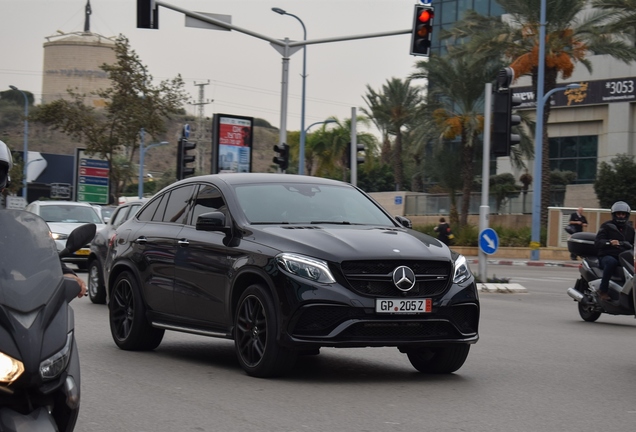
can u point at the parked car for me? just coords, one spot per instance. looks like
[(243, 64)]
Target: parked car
[(62, 218), (99, 247), (285, 265)]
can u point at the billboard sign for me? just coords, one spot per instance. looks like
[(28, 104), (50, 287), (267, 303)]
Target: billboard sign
[(91, 178), (232, 138)]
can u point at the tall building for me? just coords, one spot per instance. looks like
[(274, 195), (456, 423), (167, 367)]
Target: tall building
[(72, 61)]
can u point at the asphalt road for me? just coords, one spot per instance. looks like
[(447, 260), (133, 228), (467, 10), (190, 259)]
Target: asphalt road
[(537, 367)]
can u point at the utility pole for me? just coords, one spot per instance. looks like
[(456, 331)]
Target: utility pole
[(201, 134)]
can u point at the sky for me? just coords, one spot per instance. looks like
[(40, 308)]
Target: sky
[(244, 72)]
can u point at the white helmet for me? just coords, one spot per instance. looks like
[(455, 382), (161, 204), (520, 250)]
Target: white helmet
[(623, 208), (6, 163)]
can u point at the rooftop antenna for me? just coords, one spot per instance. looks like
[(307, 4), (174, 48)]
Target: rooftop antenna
[(87, 13)]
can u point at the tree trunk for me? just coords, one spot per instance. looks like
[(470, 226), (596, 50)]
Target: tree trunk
[(385, 155), (398, 169), (467, 172)]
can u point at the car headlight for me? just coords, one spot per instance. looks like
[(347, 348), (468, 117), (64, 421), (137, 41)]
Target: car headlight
[(309, 268), (59, 236), (10, 369), (53, 366), (462, 272)]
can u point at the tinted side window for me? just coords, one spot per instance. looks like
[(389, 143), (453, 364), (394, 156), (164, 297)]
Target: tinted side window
[(208, 199), (147, 214), (119, 217), (178, 205)]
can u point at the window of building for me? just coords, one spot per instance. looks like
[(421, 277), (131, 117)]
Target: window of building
[(577, 154)]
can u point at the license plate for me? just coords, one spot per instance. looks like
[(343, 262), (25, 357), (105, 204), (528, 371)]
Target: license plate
[(403, 306), (83, 252)]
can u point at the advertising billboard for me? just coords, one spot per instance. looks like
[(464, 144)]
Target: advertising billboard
[(91, 178), (231, 143)]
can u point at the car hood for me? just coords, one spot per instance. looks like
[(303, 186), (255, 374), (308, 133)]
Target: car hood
[(351, 242), (67, 227)]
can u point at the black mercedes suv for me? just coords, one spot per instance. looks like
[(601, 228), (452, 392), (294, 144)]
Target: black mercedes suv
[(284, 265)]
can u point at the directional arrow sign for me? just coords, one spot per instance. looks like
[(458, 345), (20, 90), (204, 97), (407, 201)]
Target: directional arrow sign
[(488, 241)]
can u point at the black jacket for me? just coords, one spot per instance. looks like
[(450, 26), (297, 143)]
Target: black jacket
[(610, 231)]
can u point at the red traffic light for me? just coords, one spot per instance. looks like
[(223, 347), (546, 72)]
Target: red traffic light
[(425, 16)]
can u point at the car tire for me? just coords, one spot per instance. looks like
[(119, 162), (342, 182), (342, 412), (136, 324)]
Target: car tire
[(255, 342), (129, 327), (439, 360), (96, 289)]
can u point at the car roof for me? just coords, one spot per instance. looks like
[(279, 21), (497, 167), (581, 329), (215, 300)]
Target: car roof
[(75, 203), (245, 178)]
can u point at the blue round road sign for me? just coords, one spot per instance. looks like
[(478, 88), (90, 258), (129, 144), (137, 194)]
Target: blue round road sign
[(488, 241)]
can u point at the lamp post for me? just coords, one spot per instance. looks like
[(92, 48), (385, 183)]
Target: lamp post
[(142, 153), (26, 141), (538, 160), (303, 134)]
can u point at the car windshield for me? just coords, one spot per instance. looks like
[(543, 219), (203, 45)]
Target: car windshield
[(302, 203), (69, 214)]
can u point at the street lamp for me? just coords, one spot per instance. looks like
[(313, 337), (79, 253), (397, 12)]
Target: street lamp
[(538, 160), (303, 135), (26, 141), (142, 152)]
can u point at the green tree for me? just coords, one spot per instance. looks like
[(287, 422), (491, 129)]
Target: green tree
[(615, 181), (456, 104), (392, 108), (132, 103), (503, 187), (572, 33)]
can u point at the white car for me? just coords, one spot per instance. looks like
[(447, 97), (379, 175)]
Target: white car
[(62, 218)]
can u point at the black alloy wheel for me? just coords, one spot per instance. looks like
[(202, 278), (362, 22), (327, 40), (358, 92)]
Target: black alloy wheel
[(96, 291), (254, 336), (128, 324)]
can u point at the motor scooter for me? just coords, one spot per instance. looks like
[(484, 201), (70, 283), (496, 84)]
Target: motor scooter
[(621, 291), (39, 361)]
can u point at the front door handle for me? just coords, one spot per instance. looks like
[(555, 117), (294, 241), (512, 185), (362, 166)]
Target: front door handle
[(183, 242)]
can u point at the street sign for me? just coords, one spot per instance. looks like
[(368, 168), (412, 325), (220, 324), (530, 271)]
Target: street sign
[(186, 131), (91, 178), (488, 241)]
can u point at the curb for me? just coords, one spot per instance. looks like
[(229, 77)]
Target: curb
[(506, 288), (573, 264)]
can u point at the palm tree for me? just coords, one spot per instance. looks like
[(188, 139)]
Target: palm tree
[(572, 33), (456, 105), (623, 14), (393, 107)]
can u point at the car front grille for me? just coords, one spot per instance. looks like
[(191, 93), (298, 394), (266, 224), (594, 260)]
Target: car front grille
[(399, 331), (374, 278)]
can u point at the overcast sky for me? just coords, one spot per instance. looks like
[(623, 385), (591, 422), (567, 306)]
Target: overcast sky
[(244, 72)]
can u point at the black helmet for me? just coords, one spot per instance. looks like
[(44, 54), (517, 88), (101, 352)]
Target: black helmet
[(623, 208), (6, 162)]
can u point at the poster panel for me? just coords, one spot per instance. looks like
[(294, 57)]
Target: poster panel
[(232, 138)]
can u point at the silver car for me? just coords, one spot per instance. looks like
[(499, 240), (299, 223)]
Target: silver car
[(63, 217)]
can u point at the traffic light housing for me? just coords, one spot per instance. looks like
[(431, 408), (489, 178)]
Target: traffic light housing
[(282, 160), (422, 30), (147, 14), (359, 158), (184, 158), (503, 119)]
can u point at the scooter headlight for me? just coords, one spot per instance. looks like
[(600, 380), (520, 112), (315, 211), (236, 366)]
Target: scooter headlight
[(10, 369), (53, 366)]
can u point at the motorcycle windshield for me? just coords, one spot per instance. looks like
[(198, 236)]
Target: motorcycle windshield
[(30, 269)]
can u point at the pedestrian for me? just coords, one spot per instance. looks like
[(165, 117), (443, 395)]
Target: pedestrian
[(443, 231), (577, 222)]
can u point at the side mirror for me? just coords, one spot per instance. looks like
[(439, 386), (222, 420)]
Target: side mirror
[(213, 221), (405, 222), (78, 238)]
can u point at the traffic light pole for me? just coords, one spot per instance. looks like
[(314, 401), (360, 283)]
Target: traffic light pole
[(284, 47), (484, 208)]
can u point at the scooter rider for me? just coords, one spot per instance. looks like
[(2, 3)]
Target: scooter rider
[(6, 162), (614, 236)]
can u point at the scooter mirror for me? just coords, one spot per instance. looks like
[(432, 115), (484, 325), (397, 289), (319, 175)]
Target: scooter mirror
[(78, 238)]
